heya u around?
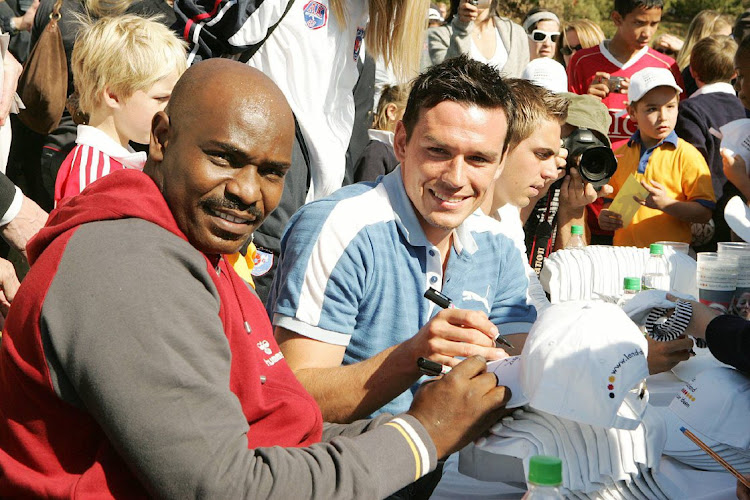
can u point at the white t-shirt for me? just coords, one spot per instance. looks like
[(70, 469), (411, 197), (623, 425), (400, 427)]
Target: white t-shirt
[(313, 60), (509, 218), (498, 59)]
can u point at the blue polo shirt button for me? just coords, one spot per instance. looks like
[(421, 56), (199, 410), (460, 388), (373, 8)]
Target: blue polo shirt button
[(433, 280), (432, 253)]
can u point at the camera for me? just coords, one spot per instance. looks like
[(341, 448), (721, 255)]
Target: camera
[(594, 160), (615, 83)]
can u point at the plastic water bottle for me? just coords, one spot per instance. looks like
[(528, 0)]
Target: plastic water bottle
[(576, 238), (630, 287), (656, 273), (545, 477)]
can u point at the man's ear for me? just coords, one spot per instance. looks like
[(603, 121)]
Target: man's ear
[(159, 136), (399, 141)]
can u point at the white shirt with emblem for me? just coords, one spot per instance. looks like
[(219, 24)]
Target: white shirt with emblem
[(313, 60)]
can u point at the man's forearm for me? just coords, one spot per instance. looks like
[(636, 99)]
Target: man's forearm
[(350, 392), (565, 221)]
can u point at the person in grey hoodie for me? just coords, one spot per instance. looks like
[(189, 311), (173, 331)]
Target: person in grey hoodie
[(478, 30)]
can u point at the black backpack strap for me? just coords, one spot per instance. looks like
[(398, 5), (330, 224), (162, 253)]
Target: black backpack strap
[(250, 52)]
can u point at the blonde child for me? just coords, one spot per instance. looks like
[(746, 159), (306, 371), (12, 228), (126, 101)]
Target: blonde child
[(673, 172), (124, 68)]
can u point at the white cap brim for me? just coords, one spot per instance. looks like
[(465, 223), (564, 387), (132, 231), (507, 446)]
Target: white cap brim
[(677, 441), (737, 215), (508, 371)]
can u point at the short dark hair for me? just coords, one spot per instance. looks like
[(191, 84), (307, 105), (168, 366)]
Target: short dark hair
[(625, 7), (712, 59), (462, 80)]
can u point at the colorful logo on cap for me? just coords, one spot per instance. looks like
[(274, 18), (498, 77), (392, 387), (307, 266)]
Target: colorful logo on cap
[(316, 15), (358, 41), (688, 395), (611, 386)]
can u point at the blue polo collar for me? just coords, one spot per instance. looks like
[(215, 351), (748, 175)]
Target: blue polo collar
[(646, 153), (408, 223)]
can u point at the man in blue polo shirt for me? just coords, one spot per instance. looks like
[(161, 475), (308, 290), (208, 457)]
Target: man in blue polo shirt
[(347, 302)]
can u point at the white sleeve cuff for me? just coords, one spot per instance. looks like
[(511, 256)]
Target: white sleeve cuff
[(14, 208), (313, 332)]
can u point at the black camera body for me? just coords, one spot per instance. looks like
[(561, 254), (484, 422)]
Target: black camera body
[(594, 160)]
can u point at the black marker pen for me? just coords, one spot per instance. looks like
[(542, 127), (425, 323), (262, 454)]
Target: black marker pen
[(432, 368), (442, 300)]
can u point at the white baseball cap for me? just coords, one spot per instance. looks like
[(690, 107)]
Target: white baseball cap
[(737, 215), (547, 73), (434, 15), (717, 404), (587, 362), (508, 372), (648, 79)]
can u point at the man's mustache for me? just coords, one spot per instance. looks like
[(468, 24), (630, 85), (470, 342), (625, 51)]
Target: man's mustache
[(217, 203)]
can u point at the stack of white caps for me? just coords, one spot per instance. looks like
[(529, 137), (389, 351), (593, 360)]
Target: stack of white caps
[(598, 271), (715, 406), (581, 375), (586, 362), (598, 462)]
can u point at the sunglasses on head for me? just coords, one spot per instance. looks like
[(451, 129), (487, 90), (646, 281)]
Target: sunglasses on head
[(541, 36), (567, 50)]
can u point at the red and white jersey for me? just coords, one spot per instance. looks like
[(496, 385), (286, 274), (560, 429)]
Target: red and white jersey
[(587, 62), (96, 154)]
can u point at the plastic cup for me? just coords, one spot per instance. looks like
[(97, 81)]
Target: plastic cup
[(717, 279), (740, 304)]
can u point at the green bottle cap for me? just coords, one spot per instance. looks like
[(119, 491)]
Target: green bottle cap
[(656, 249), (632, 284), (545, 470), (576, 229)]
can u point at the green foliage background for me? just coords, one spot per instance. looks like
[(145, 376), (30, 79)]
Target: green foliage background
[(677, 14)]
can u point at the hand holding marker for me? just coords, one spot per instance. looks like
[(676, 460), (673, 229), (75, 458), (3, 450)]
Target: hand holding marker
[(429, 367)]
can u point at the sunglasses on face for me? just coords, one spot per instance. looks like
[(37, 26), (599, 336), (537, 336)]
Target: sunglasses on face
[(541, 36), (567, 50)]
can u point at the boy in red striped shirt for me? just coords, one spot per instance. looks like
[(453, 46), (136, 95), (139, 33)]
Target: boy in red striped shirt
[(124, 69)]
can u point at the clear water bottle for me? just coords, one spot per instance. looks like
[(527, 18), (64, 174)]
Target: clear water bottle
[(545, 478), (656, 273), (630, 287), (576, 238)]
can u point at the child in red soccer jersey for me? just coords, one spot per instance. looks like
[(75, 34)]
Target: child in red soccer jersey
[(605, 71), (124, 69)]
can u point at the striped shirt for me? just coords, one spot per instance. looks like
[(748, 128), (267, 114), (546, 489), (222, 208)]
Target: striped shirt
[(96, 154), (354, 268)]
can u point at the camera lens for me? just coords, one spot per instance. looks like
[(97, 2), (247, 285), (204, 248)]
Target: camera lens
[(597, 165)]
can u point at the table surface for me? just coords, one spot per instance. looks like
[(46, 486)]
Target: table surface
[(700, 485)]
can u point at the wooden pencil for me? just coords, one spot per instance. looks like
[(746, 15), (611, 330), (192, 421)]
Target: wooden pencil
[(715, 456)]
